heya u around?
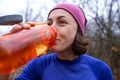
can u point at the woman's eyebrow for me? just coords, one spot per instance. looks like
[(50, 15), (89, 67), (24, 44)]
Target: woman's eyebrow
[(60, 17), (57, 17)]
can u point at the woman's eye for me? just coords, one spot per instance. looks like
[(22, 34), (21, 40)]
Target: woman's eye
[(49, 23), (62, 22)]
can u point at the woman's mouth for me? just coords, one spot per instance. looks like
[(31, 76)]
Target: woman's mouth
[(56, 41)]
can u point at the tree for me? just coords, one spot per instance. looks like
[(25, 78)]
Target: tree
[(107, 35)]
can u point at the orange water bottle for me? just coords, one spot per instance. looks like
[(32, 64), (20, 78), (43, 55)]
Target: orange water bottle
[(16, 49)]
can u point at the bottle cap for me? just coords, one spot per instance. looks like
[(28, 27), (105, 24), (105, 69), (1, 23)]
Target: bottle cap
[(11, 19)]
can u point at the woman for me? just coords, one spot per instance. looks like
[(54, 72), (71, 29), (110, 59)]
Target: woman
[(69, 61)]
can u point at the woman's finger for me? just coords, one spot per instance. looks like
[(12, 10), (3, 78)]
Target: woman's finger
[(36, 23), (32, 24), (25, 25), (16, 28), (19, 27)]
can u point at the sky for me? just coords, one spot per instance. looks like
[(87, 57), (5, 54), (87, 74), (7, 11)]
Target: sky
[(8, 7), (11, 6), (19, 7)]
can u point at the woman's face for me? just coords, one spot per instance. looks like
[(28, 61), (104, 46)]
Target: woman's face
[(66, 28)]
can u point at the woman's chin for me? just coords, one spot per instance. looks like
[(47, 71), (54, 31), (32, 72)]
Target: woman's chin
[(55, 49)]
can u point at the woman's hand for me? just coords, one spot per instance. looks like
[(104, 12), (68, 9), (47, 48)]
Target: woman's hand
[(27, 25), (21, 26)]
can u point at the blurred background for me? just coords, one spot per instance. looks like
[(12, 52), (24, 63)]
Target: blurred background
[(103, 27)]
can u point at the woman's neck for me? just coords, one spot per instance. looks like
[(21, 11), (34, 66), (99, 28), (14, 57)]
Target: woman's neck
[(67, 55)]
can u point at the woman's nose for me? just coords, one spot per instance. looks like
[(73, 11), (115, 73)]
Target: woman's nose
[(55, 26)]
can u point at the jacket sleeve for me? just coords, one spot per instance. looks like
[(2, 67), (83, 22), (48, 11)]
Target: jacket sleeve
[(103, 70), (99, 68), (30, 72), (108, 74)]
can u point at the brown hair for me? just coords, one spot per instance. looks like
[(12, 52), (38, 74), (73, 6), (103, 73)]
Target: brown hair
[(80, 44)]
